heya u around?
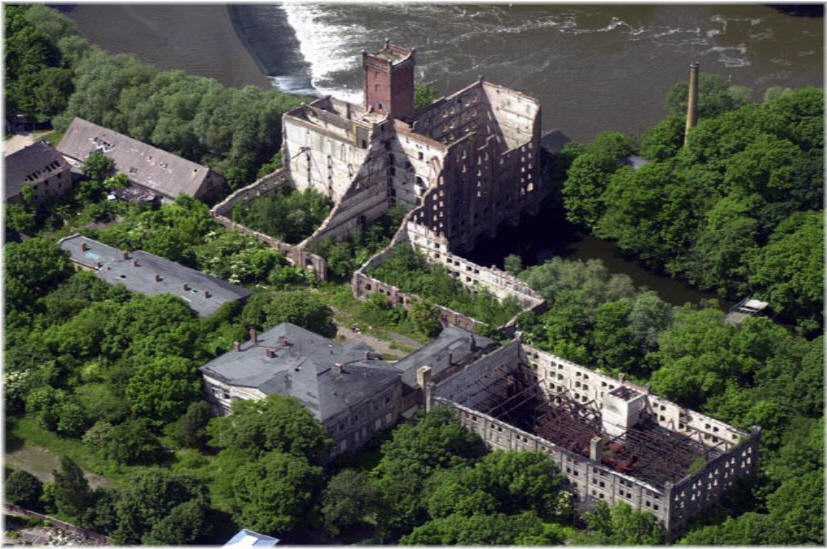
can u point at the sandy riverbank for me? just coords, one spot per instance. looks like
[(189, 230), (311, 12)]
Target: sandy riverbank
[(199, 39)]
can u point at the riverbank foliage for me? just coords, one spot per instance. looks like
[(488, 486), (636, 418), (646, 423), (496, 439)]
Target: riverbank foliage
[(410, 272), (738, 210), (288, 215), (53, 73)]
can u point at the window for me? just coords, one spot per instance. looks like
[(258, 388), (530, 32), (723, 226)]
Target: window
[(420, 155)]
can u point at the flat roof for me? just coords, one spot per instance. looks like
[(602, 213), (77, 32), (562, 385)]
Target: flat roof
[(150, 274)]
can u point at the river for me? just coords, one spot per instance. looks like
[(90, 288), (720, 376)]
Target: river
[(593, 67)]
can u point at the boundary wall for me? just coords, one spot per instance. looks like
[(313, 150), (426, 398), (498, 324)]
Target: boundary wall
[(267, 185)]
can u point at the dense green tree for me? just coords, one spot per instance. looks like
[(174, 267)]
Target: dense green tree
[(98, 166), (148, 498), (620, 524), (288, 214), (426, 317), (789, 270), (664, 139), (162, 389), (131, 443), (482, 529), (434, 441), (513, 264), (186, 523), (715, 96), (612, 341), (348, 499), (275, 492), (23, 488), (72, 493), (32, 268), (277, 423), (100, 515), (301, 307), (424, 95), (191, 428)]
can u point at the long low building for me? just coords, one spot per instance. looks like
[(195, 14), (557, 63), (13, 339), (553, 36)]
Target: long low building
[(149, 167), (149, 274)]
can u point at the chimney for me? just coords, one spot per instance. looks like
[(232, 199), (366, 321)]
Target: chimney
[(237, 346), (368, 355), (282, 341), (596, 448), (84, 246), (135, 263), (207, 293), (124, 254), (253, 335), (185, 287), (339, 367), (450, 359), (692, 100), (473, 343), (98, 264), (269, 352), (621, 377), (157, 277)]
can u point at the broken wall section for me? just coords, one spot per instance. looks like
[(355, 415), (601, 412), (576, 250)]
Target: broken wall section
[(267, 185)]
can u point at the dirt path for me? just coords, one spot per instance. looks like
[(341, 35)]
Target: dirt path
[(344, 333), (40, 462), (21, 141)]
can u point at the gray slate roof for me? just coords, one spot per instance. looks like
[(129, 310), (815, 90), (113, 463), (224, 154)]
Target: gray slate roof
[(110, 266), (304, 368), (453, 346), (32, 165), (148, 166)]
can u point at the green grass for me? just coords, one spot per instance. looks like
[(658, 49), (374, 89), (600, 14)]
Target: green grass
[(29, 431), (350, 311)]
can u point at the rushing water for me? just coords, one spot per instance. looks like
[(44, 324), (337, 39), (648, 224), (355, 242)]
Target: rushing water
[(592, 67)]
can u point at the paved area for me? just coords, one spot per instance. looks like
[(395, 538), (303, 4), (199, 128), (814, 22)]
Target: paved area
[(345, 333), (21, 141)]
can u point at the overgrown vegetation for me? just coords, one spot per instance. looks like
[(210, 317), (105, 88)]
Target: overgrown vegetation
[(410, 272), (288, 215), (738, 210), (348, 254)]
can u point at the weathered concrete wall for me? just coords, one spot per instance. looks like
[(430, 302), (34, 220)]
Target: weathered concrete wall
[(267, 185)]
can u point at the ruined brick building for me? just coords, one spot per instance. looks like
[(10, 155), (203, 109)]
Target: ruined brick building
[(463, 166)]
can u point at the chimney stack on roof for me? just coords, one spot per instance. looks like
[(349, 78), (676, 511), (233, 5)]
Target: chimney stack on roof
[(157, 277), (237, 346), (185, 287), (124, 254), (282, 341), (253, 335), (84, 246), (98, 264), (269, 352), (135, 263), (207, 293), (339, 367)]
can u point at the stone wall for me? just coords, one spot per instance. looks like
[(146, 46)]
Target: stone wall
[(267, 185)]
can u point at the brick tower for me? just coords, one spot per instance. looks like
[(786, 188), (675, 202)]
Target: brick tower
[(389, 80)]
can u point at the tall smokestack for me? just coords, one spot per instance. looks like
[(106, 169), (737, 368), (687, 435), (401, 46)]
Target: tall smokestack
[(692, 100)]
